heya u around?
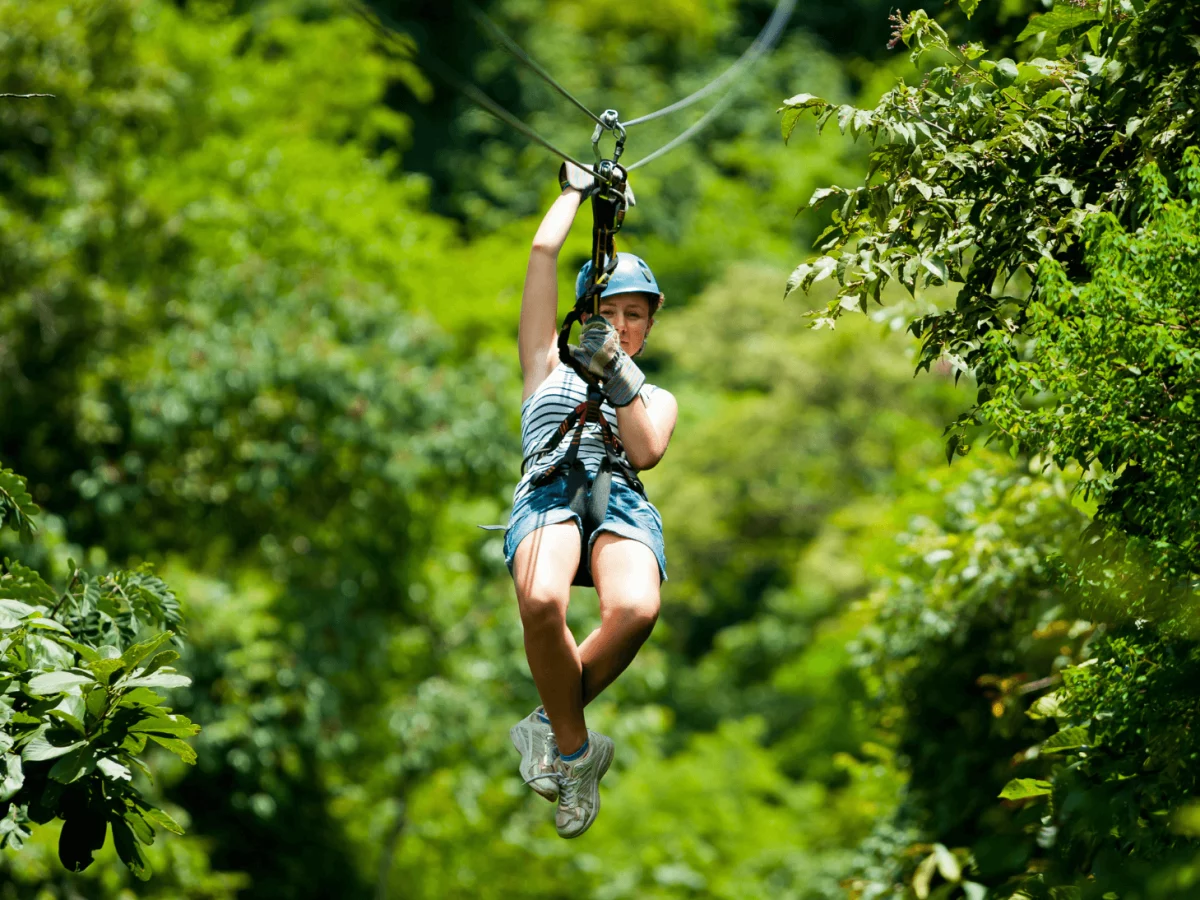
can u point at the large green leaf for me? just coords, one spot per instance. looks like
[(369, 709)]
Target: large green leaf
[(171, 725), (57, 682), (183, 750), (1067, 739), (129, 849), (159, 679), (1024, 788), (1062, 17), (82, 835), (40, 749), (133, 657)]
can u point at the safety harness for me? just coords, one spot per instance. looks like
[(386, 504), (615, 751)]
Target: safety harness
[(588, 498)]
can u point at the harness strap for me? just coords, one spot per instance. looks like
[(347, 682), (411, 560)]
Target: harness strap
[(587, 498)]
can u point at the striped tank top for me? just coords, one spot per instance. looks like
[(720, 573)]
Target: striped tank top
[(542, 413)]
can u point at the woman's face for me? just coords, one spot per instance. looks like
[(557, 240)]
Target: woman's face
[(629, 315)]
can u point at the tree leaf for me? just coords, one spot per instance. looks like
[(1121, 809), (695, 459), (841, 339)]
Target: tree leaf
[(74, 765), (133, 656), (1023, 788), (16, 506), (114, 769), (140, 697), (130, 849), (57, 682), (1062, 17), (104, 669), (179, 748), (17, 609), (172, 725), (158, 679), (40, 749), (798, 275), (923, 876), (947, 863), (160, 817), (141, 828), (1066, 739), (67, 718), (82, 835), (14, 777), (1064, 185), (1045, 707)]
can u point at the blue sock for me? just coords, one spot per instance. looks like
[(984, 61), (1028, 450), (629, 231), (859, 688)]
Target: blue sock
[(542, 717), (571, 757)]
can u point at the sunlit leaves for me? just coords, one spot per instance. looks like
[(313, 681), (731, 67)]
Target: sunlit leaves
[(15, 503), (1024, 184), (1025, 788), (75, 706)]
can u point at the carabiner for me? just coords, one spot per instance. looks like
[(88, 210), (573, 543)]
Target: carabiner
[(610, 120)]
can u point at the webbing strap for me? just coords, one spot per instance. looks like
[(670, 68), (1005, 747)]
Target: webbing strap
[(587, 498)]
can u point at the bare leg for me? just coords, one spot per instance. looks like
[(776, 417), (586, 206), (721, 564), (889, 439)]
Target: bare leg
[(543, 568), (627, 580)]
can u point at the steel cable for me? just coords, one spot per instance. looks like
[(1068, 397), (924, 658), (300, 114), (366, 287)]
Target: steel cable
[(471, 92), (763, 43), (717, 109), (525, 59), (765, 40)]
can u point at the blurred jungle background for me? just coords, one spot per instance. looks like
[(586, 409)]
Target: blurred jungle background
[(259, 283)]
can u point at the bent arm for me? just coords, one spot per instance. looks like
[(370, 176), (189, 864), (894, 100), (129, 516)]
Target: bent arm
[(538, 334), (646, 428)]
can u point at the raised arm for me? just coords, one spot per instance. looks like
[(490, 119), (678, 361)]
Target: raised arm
[(538, 334)]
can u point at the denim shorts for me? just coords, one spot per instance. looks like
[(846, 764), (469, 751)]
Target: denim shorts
[(629, 515)]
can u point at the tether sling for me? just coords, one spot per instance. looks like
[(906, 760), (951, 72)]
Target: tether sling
[(587, 498)]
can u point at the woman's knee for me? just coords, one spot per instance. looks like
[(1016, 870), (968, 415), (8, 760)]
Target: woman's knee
[(543, 605), (544, 565), (634, 606)]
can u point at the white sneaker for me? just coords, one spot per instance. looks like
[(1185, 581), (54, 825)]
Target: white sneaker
[(535, 742), (579, 786)]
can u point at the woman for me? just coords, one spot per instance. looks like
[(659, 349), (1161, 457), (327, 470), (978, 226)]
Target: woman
[(560, 758)]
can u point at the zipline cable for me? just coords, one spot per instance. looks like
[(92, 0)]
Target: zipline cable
[(525, 59), (718, 108), (471, 92), (765, 40)]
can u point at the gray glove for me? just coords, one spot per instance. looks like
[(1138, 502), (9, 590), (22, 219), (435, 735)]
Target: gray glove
[(600, 352)]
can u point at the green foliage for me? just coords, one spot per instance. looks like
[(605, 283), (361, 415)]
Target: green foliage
[(1012, 179), (238, 339), (1056, 193), (16, 506), (79, 670), (1109, 378)]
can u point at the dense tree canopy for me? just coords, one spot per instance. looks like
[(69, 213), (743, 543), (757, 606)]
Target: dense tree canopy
[(259, 284), (1059, 192)]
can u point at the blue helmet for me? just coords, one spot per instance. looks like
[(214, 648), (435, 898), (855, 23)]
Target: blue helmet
[(632, 275)]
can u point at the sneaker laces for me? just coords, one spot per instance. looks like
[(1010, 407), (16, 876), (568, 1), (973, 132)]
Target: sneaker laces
[(568, 790), (553, 776)]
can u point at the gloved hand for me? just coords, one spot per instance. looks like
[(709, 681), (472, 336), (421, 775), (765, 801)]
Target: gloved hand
[(600, 352), (571, 176)]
